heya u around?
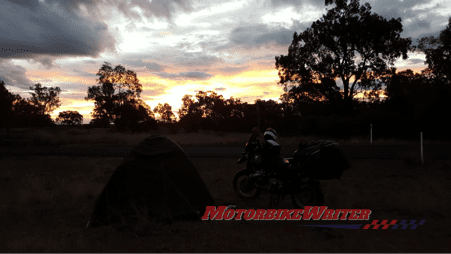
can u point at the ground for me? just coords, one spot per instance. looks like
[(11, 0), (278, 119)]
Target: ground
[(47, 202)]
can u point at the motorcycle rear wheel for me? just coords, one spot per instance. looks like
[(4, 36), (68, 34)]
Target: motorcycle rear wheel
[(308, 194), (244, 187)]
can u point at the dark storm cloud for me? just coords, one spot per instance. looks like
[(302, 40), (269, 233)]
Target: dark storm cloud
[(137, 62), (396, 8), (299, 26), (156, 8), (428, 34), (417, 20), (404, 10), (257, 35), (154, 67), (59, 28), (409, 11), (203, 42), (14, 75), (41, 31), (80, 73), (295, 3), (414, 61), (281, 37), (185, 75), (47, 61), (386, 8), (421, 24), (90, 62)]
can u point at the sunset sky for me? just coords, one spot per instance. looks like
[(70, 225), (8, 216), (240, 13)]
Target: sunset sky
[(176, 47)]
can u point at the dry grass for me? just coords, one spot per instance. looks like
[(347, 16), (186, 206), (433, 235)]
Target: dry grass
[(102, 137), (47, 201)]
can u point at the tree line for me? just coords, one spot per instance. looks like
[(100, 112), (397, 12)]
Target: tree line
[(349, 44)]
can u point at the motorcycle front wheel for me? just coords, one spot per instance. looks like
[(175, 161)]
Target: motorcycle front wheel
[(244, 187), (308, 194)]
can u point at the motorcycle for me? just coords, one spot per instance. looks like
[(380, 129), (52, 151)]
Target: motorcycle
[(296, 176)]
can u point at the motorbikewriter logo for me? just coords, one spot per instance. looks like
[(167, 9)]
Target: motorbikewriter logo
[(308, 213), (315, 213)]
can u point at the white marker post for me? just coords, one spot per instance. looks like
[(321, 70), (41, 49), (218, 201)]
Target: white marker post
[(371, 133), (421, 145)]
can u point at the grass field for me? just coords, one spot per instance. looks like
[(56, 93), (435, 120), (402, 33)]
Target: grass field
[(102, 137), (47, 201)]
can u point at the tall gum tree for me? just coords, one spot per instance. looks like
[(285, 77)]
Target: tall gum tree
[(348, 43), (45, 98), (438, 52), (117, 88)]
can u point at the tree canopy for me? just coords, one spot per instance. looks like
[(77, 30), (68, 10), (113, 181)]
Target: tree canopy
[(165, 112), (210, 105), (6, 104), (69, 117), (131, 114), (34, 111), (438, 52), (116, 98), (349, 43), (44, 98), (209, 109)]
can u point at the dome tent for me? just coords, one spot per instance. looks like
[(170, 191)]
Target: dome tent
[(156, 176)]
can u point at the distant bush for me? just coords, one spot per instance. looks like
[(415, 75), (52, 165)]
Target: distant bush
[(69, 118)]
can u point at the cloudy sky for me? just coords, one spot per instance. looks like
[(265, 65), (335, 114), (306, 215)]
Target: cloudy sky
[(176, 47)]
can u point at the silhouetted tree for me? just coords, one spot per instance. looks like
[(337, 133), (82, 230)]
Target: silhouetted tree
[(190, 114), (418, 102), (271, 114), (210, 111), (313, 99), (69, 117), (29, 115), (399, 89), (188, 107), (6, 104), (132, 114), (438, 52), (211, 104), (165, 112), (116, 98), (349, 43), (34, 111), (44, 98)]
